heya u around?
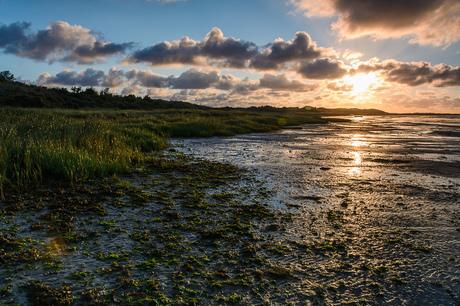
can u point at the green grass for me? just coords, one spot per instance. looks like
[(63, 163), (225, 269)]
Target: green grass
[(37, 144), (74, 145)]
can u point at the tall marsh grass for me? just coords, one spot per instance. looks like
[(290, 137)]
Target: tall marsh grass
[(37, 144), (74, 145)]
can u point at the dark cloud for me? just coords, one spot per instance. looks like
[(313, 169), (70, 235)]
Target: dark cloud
[(87, 54), (233, 52), (58, 42), (184, 51), (227, 82), (225, 52), (147, 78), (390, 14), (281, 52), (335, 86), (322, 69), (190, 79), (428, 21), (88, 77), (445, 76), (229, 52), (245, 87), (132, 89), (114, 78), (409, 74), (413, 74), (283, 82), (13, 34), (194, 79)]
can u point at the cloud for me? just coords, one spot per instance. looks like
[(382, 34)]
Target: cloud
[(406, 103), (11, 34), (147, 78), (191, 80), (426, 93), (339, 86), (183, 51), (209, 87), (194, 79), (323, 68), (283, 82), (114, 78), (132, 89), (281, 52), (245, 87), (351, 55), (234, 52), (227, 52), (426, 21), (88, 77), (58, 42), (413, 74)]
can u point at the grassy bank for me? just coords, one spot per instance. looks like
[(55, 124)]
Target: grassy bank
[(75, 145)]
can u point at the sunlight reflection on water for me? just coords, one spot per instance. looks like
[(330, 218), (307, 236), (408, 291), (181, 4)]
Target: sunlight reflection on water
[(357, 158), (386, 174), (354, 171), (358, 141), (315, 160)]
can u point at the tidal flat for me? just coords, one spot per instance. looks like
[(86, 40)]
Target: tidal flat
[(395, 178), (199, 224)]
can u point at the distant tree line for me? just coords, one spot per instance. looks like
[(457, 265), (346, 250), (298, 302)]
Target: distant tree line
[(18, 94), (311, 110), (6, 76)]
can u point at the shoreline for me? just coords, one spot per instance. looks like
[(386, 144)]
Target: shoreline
[(188, 231), (191, 232)]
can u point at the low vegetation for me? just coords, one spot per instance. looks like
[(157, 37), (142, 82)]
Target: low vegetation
[(75, 145), (78, 134)]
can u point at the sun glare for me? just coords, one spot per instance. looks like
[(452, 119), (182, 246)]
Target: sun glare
[(361, 81)]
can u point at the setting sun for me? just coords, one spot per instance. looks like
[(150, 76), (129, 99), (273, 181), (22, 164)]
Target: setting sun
[(361, 81)]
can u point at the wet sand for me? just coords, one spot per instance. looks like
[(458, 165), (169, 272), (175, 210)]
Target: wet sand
[(359, 213)]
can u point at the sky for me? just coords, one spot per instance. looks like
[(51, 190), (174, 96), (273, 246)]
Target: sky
[(393, 55)]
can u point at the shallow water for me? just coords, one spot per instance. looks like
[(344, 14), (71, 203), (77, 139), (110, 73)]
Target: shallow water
[(363, 213), (391, 175), (422, 151)]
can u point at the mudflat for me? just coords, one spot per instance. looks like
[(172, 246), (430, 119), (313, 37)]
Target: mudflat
[(362, 213)]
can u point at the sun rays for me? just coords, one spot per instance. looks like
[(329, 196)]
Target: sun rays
[(361, 82)]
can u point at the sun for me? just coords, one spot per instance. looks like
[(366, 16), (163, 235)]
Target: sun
[(361, 82)]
